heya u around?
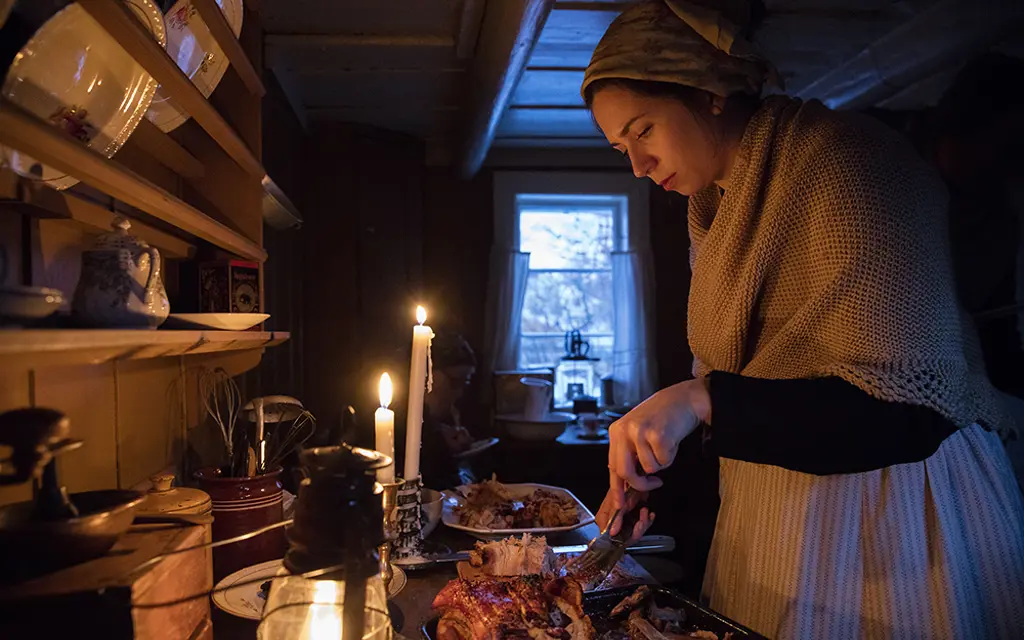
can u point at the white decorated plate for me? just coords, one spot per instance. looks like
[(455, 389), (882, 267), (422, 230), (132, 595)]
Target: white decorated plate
[(219, 321), (452, 500), (246, 601), (73, 74), (477, 447), (192, 46)]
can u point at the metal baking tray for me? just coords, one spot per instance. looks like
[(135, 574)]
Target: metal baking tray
[(599, 604)]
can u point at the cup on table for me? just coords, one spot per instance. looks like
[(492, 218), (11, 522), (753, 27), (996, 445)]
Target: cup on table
[(538, 397)]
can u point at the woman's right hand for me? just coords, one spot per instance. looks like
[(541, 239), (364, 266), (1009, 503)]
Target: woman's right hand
[(649, 436)]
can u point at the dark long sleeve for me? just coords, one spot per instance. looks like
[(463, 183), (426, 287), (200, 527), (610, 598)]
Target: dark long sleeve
[(821, 425)]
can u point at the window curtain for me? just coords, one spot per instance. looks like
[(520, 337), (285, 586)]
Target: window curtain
[(506, 292), (633, 364)]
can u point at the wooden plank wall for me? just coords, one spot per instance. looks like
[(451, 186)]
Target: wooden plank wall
[(362, 266)]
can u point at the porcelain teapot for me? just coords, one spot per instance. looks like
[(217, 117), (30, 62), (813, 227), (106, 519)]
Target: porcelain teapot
[(120, 285)]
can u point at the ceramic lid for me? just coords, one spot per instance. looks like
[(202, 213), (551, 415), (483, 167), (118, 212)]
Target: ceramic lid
[(119, 238), (162, 499)]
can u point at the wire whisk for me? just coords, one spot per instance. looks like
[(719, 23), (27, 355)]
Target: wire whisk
[(222, 400), (287, 438)]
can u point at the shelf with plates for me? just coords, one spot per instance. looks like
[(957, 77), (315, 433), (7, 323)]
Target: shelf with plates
[(42, 347), (204, 176), (117, 19)]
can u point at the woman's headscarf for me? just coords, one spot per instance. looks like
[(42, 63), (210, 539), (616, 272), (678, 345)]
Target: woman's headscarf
[(680, 42)]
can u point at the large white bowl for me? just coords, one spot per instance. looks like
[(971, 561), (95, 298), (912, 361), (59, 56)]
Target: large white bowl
[(73, 74), (547, 428)]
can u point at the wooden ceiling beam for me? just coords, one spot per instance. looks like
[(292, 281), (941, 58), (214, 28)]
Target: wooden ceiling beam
[(469, 28), (508, 33), (354, 40)]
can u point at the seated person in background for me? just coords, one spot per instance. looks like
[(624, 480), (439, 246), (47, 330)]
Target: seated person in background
[(443, 434)]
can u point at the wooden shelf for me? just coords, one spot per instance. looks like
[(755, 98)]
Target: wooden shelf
[(43, 202), (117, 19), (95, 346), (20, 130)]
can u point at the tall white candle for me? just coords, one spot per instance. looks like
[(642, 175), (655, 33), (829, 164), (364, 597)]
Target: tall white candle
[(419, 379), (384, 427)]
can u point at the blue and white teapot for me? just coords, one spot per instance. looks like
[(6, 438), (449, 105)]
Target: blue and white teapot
[(120, 285)]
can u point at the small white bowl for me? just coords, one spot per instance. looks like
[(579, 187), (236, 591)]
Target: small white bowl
[(23, 305), (431, 510)]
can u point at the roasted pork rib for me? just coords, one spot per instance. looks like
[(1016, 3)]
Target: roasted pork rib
[(519, 607)]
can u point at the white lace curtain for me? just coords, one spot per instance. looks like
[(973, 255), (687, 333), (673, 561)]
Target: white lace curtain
[(506, 291), (633, 371)]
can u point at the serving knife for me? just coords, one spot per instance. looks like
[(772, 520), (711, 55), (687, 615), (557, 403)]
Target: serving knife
[(646, 544)]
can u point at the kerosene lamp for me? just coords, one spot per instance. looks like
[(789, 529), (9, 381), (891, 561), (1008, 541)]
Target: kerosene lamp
[(338, 527), (576, 374)]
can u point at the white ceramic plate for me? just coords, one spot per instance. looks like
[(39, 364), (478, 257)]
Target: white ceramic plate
[(219, 321), (475, 448), (190, 44), (452, 500), (73, 74), (245, 601)]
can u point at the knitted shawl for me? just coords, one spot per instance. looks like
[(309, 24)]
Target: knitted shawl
[(828, 256)]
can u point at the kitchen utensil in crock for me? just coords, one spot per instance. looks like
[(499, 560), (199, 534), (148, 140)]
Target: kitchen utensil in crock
[(55, 530)]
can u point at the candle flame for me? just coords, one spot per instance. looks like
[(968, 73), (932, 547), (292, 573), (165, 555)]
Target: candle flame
[(385, 390), (421, 315)]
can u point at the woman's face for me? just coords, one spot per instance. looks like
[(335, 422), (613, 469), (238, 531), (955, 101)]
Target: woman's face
[(664, 140)]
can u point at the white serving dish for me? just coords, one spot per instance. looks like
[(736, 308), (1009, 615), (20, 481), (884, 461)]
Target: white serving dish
[(547, 428), (20, 305), (244, 601), (452, 500), (73, 74), (218, 321), (193, 47)]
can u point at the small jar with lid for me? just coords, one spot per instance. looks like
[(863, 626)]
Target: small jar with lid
[(164, 499)]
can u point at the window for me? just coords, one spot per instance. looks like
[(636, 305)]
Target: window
[(571, 251), (570, 239)]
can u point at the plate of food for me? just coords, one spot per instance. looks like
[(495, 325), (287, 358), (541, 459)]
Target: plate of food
[(491, 509), (250, 596)]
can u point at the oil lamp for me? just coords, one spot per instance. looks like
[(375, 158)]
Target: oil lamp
[(338, 526), (576, 374)]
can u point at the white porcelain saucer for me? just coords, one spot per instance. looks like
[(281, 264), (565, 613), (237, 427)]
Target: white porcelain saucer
[(247, 600)]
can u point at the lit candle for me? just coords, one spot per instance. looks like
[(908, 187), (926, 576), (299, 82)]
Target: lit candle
[(384, 423), (419, 381)]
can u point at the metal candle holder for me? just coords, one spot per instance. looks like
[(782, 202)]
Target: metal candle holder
[(409, 543), (389, 502)]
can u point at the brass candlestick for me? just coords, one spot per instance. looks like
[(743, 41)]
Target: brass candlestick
[(389, 502)]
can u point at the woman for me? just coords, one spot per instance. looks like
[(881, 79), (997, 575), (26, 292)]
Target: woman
[(864, 489), (444, 437)]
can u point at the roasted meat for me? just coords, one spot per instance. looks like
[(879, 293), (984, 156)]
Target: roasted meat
[(520, 607), (514, 556)]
